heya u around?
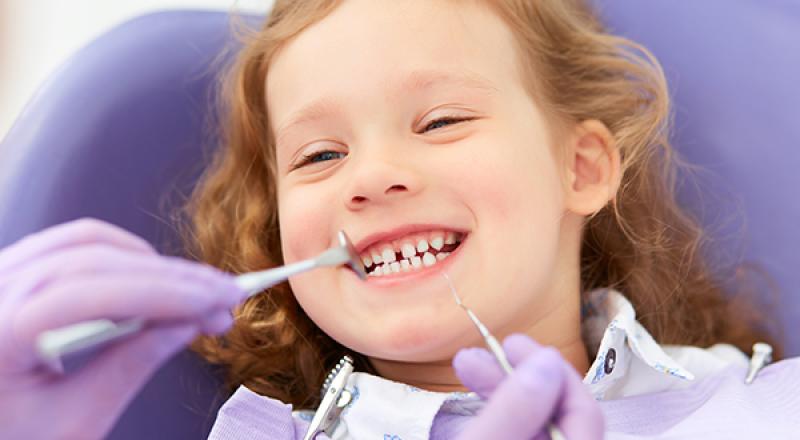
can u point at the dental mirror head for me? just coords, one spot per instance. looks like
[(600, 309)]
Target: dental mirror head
[(355, 260)]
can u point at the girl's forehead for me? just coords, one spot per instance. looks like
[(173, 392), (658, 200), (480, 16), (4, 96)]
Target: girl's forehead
[(369, 47)]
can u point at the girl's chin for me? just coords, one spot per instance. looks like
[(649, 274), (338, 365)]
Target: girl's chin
[(413, 343)]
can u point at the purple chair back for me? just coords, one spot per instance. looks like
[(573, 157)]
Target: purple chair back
[(120, 133), (121, 128), (733, 70)]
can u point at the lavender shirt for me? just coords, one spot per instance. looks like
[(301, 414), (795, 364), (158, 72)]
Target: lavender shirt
[(645, 391), (719, 407)]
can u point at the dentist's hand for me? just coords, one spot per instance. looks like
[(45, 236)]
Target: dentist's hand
[(86, 270), (543, 388)]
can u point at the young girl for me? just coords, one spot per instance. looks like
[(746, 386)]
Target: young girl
[(511, 144), (514, 146)]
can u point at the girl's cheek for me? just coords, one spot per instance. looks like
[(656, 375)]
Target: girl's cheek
[(303, 224), (503, 185)]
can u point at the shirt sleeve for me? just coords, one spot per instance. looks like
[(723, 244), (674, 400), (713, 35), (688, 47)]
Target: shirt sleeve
[(248, 415)]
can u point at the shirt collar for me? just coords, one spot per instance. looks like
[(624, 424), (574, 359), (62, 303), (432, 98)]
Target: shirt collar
[(611, 330)]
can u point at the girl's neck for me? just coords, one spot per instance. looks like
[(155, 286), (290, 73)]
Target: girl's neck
[(551, 331), (439, 376)]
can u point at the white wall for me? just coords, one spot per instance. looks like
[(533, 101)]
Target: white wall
[(37, 35)]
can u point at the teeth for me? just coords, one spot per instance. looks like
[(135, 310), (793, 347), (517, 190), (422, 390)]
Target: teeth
[(387, 255), (437, 242), (408, 250), (404, 256), (407, 265)]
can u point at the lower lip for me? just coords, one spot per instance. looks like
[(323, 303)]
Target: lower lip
[(418, 274)]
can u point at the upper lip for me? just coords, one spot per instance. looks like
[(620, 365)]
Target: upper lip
[(398, 232)]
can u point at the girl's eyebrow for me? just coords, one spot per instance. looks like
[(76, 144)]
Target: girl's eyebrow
[(314, 111), (418, 80), (426, 79)]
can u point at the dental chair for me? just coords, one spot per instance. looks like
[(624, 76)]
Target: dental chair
[(123, 129)]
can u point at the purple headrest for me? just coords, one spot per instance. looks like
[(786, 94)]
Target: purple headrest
[(120, 132), (733, 70)]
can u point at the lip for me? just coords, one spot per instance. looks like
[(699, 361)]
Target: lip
[(395, 233), (415, 275)]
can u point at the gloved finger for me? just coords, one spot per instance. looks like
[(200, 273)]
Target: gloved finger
[(478, 370), (104, 259), (518, 347), (217, 323), (579, 416), (83, 231), (135, 295), (113, 379), (522, 406)]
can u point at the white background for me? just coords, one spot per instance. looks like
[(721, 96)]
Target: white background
[(37, 35)]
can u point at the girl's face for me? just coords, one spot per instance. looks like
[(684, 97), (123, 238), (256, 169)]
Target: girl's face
[(401, 121)]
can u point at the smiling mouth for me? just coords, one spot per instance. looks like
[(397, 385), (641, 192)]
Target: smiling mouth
[(410, 254)]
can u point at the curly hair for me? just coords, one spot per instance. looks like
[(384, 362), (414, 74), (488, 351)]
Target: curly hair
[(641, 243)]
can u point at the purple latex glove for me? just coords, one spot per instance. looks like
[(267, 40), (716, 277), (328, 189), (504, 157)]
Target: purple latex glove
[(87, 270), (543, 388)]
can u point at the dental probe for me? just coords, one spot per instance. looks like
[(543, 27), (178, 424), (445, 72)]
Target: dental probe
[(491, 341), (67, 348), (495, 348)]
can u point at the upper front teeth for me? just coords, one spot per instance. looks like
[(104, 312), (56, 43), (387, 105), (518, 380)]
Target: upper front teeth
[(387, 255)]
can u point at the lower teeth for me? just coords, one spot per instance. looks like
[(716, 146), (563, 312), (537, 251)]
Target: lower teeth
[(408, 265)]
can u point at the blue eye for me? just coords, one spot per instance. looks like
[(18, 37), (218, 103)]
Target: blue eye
[(320, 156)]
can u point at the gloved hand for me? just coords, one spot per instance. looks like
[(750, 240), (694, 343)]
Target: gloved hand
[(87, 270), (543, 388)]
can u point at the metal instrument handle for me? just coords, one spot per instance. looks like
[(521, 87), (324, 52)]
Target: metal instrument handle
[(68, 348)]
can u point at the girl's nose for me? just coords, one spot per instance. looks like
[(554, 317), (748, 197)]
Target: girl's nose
[(379, 183)]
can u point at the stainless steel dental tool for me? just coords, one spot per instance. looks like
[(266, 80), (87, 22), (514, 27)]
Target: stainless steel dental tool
[(334, 399), (495, 348), (491, 341), (67, 348)]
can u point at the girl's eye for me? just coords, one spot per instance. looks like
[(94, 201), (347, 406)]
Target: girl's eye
[(443, 122), (320, 156)]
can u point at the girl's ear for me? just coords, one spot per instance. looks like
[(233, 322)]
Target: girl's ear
[(592, 168)]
